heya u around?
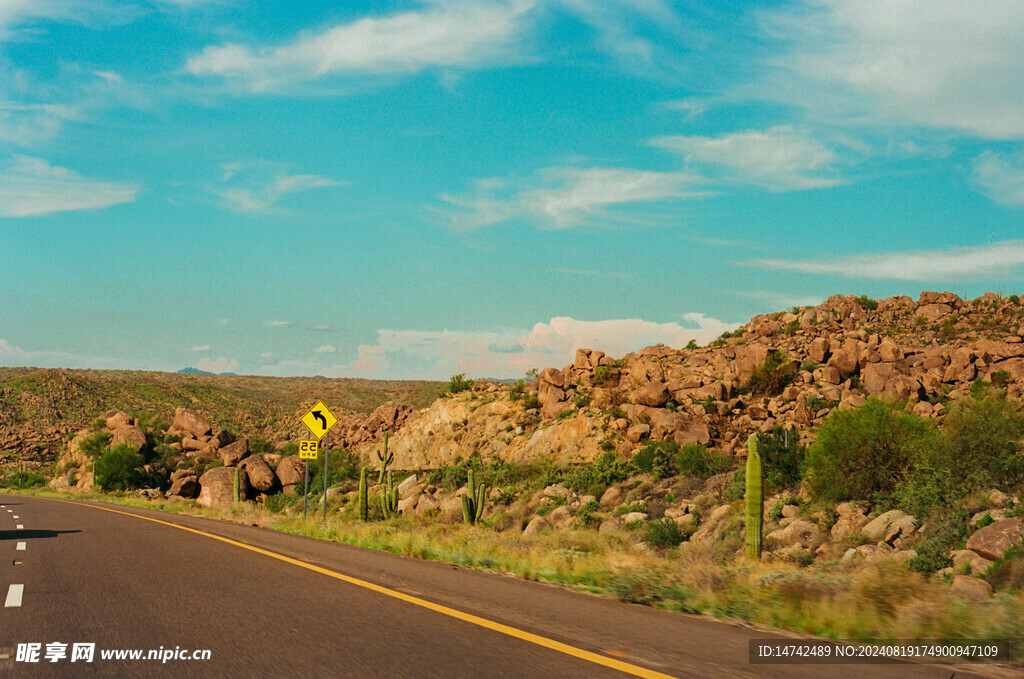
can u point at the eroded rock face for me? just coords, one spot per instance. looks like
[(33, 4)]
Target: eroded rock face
[(233, 453)]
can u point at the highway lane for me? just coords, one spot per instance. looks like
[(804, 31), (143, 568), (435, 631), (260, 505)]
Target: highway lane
[(97, 576)]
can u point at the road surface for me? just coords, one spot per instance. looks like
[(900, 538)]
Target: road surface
[(266, 604)]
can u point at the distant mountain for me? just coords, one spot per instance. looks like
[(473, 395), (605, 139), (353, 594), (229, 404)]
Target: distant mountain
[(194, 371)]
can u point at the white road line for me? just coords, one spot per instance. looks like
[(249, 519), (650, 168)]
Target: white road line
[(10, 511), (15, 516), (14, 595), (21, 527), (20, 547)]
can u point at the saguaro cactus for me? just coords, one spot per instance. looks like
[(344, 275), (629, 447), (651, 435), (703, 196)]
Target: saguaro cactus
[(473, 500), (754, 499), (385, 459), (234, 486), (364, 510), (389, 498)]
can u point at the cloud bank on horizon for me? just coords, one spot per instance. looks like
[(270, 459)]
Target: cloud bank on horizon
[(483, 186)]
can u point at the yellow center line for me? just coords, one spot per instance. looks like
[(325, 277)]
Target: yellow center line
[(580, 653)]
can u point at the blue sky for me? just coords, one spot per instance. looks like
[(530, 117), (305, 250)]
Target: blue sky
[(410, 190)]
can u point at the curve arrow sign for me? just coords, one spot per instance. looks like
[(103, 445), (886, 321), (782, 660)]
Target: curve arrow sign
[(320, 416)]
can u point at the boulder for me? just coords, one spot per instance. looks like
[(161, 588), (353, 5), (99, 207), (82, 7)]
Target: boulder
[(877, 527), (536, 525), (971, 588), (970, 559), (261, 477), (799, 532), (216, 487), (116, 419), (425, 504), (128, 435), (291, 470), (992, 541), (184, 486), (653, 394), (186, 420), (633, 517), (232, 453)]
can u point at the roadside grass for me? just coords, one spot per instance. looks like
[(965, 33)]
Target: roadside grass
[(833, 600)]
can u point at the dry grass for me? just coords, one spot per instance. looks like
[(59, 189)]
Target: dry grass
[(883, 601)]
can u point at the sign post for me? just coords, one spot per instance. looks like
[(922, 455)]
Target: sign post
[(319, 420), (307, 452)]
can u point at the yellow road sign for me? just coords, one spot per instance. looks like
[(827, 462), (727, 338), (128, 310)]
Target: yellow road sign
[(308, 449), (319, 420)]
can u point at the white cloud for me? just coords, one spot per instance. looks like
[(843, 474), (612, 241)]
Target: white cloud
[(563, 335), (440, 354), (218, 365), (9, 351), (442, 35), (31, 186), (566, 197), (15, 13), (1000, 177), (998, 258), (954, 64), (24, 124), (277, 324), (326, 349), (258, 186), (323, 327), (779, 158), (201, 348)]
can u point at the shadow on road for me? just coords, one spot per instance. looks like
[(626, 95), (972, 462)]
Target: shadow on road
[(32, 534)]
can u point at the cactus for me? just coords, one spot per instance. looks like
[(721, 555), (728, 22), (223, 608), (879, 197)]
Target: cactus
[(363, 506), (234, 486), (754, 499), (473, 500), (389, 498), (385, 459)]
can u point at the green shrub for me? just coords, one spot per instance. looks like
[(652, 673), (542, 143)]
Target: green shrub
[(586, 517), (948, 532), (772, 376), (279, 501), (864, 453), (458, 383), (658, 457), (663, 534), (23, 479), (696, 461), (517, 390), (866, 302), (782, 457), (95, 444), (260, 446), (593, 478), (982, 442), (120, 468), (692, 344)]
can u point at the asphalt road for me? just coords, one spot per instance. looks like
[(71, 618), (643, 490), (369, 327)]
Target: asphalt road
[(90, 575)]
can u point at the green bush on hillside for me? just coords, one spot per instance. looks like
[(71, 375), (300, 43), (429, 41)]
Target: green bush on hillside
[(657, 457), (459, 383), (23, 479), (782, 458), (864, 453), (983, 442), (772, 376), (696, 461), (120, 468)]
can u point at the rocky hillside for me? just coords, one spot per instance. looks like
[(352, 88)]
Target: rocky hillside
[(787, 369), (41, 409)]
